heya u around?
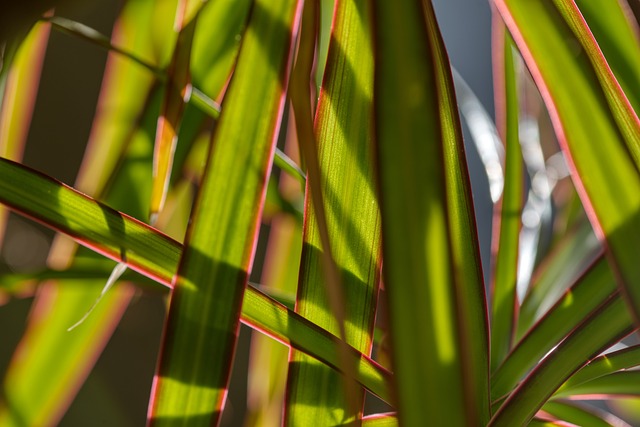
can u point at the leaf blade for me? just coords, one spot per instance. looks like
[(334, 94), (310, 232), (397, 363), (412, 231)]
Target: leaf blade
[(507, 213), (203, 319), (156, 256), (429, 238), (352, 223)]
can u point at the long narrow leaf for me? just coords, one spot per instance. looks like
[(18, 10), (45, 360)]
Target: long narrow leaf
[(16, 105), (201, 331), (606, 364), (156, 256), (314, 392), (581, 416), (617, 383), (38, 387), (622, 110), (269, 361), (604, 327), (619, 41), (177, 92), (574, 254), (432, 273), (123, 93), (46, 342), (591, 290), (575, 87), (508, 213), (380, 420)]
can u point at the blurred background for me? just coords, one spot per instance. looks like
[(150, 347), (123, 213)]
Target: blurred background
[(116, 392)]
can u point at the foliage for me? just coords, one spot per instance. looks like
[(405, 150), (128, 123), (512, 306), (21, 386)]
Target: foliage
[(227, 126)]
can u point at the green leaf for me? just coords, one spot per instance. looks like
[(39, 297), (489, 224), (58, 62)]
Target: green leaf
[(268, 362), (156, 256), (214, 52), (176, 93), (573, 254), (605, 326), (125, 91), (604, 365), (590, 291), (537, 422), (18, 98), (432, 271), (576, 82), (625, 46), (617, 383), (343, 131), (201, 330), (80, 30), (580, 416), (282, 324), (380, 420), (50, 363), (508, 211), (63, 304), (23, 79), (617, 37)]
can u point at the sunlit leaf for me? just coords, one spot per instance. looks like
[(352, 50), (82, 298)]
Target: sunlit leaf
[(618, 384), (156, 256), (37, 390), (22, 76), (576, 82), (580, 415), (202, 325), (343, 131), (177, 91), (507, 214), (606, 325), (432, 274), (605, 364), (591, 290)]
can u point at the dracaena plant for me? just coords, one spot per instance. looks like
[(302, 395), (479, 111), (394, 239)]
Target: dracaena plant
[(339, 143)]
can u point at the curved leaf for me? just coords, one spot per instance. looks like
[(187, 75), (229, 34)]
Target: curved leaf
[(581, 416), (606, 364), (591, 290), (576, 82)]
